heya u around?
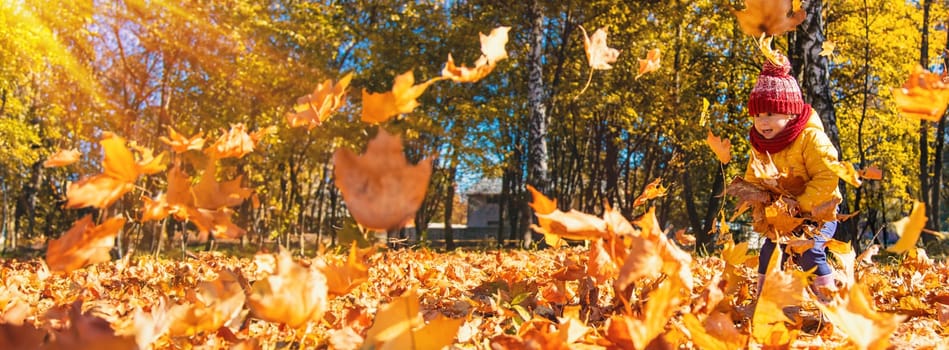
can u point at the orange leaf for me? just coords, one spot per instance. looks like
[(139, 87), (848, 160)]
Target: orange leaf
[(684, 238), (571, 225), (233, 143), (653, 190), (855, 317), (83, 244), (154, 209), (293, 294), (313, 109), (344, 276), (718, 332), (544, 205), (99, 191), (650, 63), (217, 221), (399, 325), (640, 331), (768, 16), (492, 49), (463, 74), (217, 303), (844, 171), (923, 96), (180, 143), (211, 194), (62, 158), (909, 228), (780, 289), (722, 148), (377, 108), (871, 173), (380, 188), (598, 54), (845, 255)]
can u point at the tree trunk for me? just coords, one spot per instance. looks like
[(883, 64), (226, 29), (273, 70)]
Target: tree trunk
[(449, 205), (813, 68), (537, 130), (925, 185)]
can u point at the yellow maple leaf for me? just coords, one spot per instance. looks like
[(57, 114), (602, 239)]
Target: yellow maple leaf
[(827, 48), (293, 295), (313, 109), (855, 316), (909, 228), (780, 289), (399, 325), (492, 45), (180, 143), (377, 108), (599, 56), (83, 244), (844, 171), (847, 258), (721, 147)]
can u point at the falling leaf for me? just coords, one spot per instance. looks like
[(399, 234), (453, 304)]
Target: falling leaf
[(83, 244), (855, 317), (234, 143), (845, 255), (85, 331), (211, 194), (463, 74), (377, 108), (492, 45), (722, 148), (923, 96), (780, 289), (293, 294), (99, 191), (62, 158), (120, 170), (827, 49), (180, 143), (845, 171), (492, 49), (544, 206), (768, 16), (399, 325), (764, 45), (650, 63), (826, 211), (684, 238), (871, 173), (653, 190), (313, 109), (571, 225), (380, 188), (154, 209), (599, 56), (909, 228), (703, 118)]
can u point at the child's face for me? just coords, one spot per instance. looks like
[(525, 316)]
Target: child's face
[(770, 124)]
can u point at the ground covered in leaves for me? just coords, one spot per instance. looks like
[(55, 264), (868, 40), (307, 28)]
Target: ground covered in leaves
[(508, 299)]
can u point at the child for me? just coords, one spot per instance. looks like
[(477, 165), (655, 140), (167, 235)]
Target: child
[(790, 132)]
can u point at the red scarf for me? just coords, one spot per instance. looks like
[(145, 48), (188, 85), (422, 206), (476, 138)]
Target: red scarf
[(784, 138)]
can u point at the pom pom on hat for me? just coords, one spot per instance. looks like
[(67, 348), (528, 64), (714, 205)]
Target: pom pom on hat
[(776, 90)]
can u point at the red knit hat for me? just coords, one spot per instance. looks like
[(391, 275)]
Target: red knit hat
[(776, 91)]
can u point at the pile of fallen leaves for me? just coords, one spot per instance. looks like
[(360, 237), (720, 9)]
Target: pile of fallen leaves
[(567, 297)]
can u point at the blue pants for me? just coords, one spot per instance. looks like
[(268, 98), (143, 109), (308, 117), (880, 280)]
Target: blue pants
[(814, 257)]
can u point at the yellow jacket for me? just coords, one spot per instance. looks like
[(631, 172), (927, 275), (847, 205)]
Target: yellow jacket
[(804, 158)]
